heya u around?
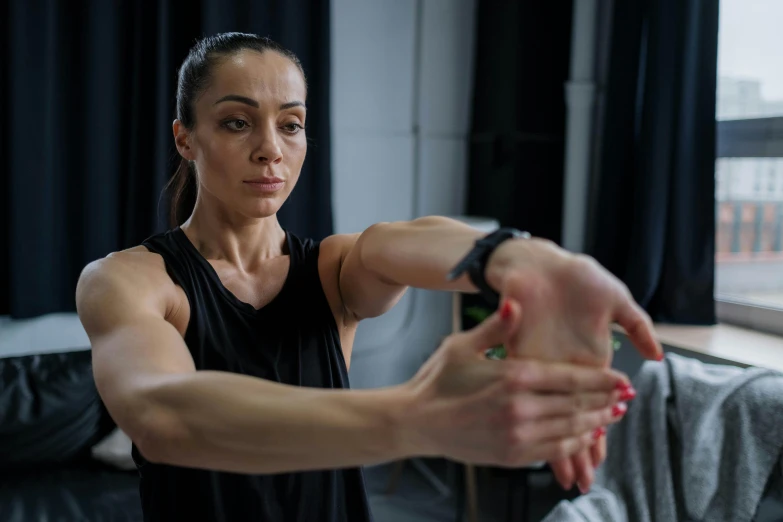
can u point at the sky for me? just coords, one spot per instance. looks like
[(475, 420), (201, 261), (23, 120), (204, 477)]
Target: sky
[(750, 43)]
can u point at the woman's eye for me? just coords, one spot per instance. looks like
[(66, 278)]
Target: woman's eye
[(292, 128), (235, 125)]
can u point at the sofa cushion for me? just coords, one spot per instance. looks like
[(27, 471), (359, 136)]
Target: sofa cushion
[(50, 411), (84, 492)]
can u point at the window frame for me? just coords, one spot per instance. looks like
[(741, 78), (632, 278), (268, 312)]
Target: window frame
[(749, 138)]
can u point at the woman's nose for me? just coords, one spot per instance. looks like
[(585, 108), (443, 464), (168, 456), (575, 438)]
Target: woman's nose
[(269, 149)]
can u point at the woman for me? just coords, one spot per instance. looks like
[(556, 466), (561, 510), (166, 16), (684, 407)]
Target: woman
[(222, 346)]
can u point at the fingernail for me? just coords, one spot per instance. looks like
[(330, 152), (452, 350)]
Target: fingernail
[(598, 433), (505, 310), (619, 409), (622, 385), (660, 357), (583, 489), (627, 394)]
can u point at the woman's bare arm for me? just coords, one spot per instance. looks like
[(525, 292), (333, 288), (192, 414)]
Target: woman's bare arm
[(211, 419), (388, 257), (379, 264), (459, 405)]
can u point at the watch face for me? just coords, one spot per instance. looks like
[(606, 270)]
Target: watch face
[(507, 233)]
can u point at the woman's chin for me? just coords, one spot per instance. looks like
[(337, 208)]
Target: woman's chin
[(265, 208)]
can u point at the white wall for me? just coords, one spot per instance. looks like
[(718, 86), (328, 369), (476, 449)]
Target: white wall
[(401, 96)]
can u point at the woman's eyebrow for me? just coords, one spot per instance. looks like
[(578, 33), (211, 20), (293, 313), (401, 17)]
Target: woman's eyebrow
[(292, 104), (238, 98), (254, 103)]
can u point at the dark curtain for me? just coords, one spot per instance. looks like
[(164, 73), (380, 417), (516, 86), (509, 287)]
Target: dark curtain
[(652, 208), (517, 138), (86, 104)]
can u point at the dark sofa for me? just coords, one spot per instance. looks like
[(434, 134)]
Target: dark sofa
[(50, 419)]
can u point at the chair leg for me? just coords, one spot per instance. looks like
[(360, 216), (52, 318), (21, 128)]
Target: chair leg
[(394, 477), (471, 493), (518, 489)]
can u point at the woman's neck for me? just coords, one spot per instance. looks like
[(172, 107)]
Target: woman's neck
[(241, 241)]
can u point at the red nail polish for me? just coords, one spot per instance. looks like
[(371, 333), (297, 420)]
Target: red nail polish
[(598, 433), (627, 394), (622, 386), (619, 409), (660, 357), (505, 310)]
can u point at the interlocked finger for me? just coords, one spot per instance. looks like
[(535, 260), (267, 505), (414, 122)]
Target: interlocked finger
[(564, 448), (569, 426), (583, 469), (537, 406)]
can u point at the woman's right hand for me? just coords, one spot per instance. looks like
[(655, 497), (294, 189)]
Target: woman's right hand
[(507, 413)]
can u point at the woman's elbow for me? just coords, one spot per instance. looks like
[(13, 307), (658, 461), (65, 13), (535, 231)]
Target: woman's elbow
[(158, 435)]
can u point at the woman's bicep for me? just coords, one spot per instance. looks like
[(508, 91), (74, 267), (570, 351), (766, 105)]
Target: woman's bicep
[(133, 346)]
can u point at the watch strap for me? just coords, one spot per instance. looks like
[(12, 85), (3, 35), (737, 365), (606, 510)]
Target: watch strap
[(475, 262)]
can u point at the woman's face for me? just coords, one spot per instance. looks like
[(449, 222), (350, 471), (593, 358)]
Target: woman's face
[(249, 141)]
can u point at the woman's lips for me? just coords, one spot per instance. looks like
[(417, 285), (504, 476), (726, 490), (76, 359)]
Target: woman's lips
[(266, 186)]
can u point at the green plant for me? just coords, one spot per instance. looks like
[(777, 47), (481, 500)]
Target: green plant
[(478, 314)]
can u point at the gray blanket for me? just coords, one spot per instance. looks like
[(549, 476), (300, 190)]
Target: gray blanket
[(699, 442)]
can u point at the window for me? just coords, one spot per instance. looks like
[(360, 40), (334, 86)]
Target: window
[(749, 169)]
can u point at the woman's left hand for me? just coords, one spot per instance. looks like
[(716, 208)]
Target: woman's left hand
[(568, 303)]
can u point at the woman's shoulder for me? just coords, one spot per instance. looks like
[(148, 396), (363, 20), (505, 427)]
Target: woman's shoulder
[(124, 285), (135, 271), (338, 244), (331, 255), (327, 254), (137, 260), (332, 251)]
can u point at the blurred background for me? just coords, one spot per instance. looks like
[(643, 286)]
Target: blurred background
[(648, 134)]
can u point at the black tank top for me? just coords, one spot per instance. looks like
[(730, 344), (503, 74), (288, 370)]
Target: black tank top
[(292, 340)]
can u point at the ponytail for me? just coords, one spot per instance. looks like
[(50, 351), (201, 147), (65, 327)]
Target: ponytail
[(182, 187)]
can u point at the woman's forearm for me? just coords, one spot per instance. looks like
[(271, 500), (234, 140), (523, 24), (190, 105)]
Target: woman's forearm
[(419, 253), (234, 423)]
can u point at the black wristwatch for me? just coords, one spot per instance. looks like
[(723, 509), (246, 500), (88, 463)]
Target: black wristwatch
[(475, 262)]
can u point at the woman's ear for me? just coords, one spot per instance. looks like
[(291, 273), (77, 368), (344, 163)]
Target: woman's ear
[(182, 140)]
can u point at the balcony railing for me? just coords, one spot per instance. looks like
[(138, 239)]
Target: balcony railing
[(749, 229)]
